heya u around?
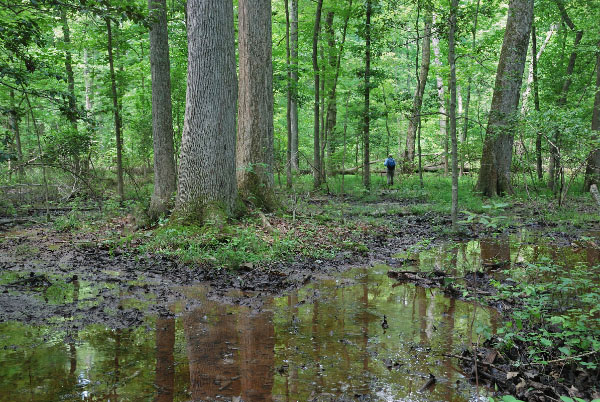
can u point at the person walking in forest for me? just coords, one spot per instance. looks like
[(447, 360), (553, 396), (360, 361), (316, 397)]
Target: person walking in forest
[(390, 163)]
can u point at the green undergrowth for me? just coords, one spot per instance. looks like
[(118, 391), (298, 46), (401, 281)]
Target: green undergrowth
[(557, 313), (241, 243)]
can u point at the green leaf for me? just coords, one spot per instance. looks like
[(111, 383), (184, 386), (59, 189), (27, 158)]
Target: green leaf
[(546, 342), (566, 399), (565, 350)]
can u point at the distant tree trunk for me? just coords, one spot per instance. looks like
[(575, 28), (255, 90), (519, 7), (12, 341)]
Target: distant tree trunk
[(317, 148), (415, 115), (554, 165), (13, 122), (496, 159), (87, 81), (207, 182), (294, 73), (117, 115), (162, 110), (324, 77), (254, 149), (535, 57), (592, 174), (72, 102), (366, 113), (452, 115), (465, 130), (288, 115), (435, 41), (536, 99), (331, 107)]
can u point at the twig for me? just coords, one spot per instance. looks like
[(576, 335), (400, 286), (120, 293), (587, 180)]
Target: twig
[(468, 359), (567, 358)]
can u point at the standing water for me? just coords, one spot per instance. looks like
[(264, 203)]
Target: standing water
[(324, 342)]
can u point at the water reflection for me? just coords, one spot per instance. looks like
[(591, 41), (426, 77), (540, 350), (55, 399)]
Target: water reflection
[(322, 342)]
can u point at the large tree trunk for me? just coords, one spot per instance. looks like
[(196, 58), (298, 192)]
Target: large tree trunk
[(117, 114), (592, 174), (254, 149), (207, 182), (496, 159), (294, 74), (452, 115), (317, 148), (415, 115), (366, 113), (162, 110)]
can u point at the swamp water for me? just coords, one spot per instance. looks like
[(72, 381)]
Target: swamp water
[(324, 342)]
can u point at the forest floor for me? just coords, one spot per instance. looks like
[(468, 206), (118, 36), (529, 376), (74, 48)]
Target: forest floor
[(320, 236)]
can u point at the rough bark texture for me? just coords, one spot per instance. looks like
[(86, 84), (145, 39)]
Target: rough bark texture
[(592, 174), (494, 176), (415, 116), (317, 148), (162, 114), (294, 73), (117, 114), (254, 149), (207, 183), (452, 115), (367, 111)]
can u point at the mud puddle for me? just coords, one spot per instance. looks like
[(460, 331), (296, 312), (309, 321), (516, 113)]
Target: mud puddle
[(323, 342)]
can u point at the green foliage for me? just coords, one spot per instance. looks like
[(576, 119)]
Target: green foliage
[(559, 308)]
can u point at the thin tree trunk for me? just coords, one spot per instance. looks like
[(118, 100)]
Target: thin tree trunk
[(452, 114), (294, 74), (117, 115), (592, 174), (535, 57), (415, 116), (162, 110), (316, 142), (366, 115), (496, 159), (72, 111), (554, 168), (207, 183), (324, 78), (288, 164), (254, 149), (536, 101), (435, 41), (13, 122), (465, 130)]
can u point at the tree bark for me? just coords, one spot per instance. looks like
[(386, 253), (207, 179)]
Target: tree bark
[(366, 113), (592, 174), (294, 73), (317, 149), (496, 159), (415, 116), (207, 183), (452, 115), (254, 149), (117, 115), (162, 110)]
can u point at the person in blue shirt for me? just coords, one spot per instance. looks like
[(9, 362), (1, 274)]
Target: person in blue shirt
[(390, 163)]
